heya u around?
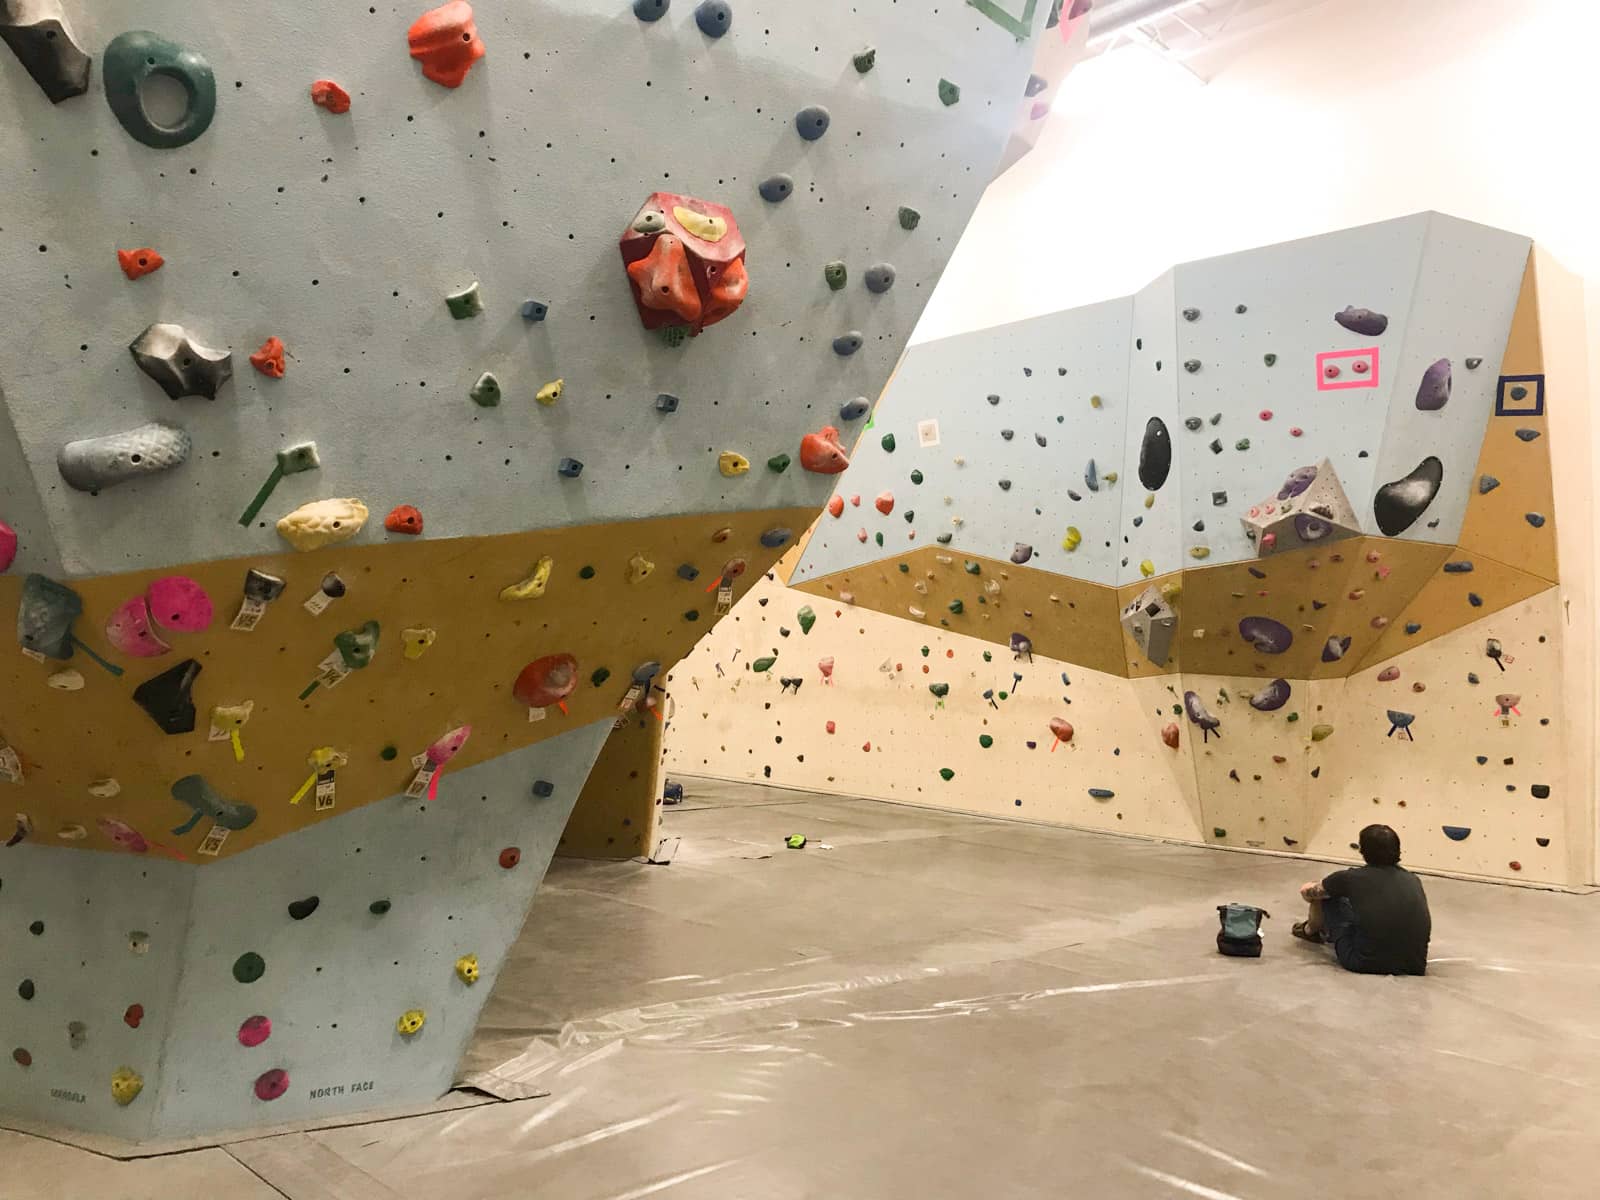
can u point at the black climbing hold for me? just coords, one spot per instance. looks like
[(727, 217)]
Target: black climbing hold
[(1100, 793), (249, 967), (543, 788), (1362, 320), (1005, 485), (166, 697), (1191, 314), (879, 278), (261, 587), (38, 36), (1035, 85), (1541, 791), (1474, 363), (715, 17), (776, 188), (865, 60), (651, 10), (389, 754), (909, 218), (1218, 499), (1008, 434), (1269, 359), (378, 907), (1199, 526), (1534, 519), (1039, 440), (585, 572), (1462, 567), (1433, 393), (1474, 599), (916, 477), (1398, 505), (134, 57), (1542, 841), (812, 122), (601, 674), (1240, 309), (666, 402), (1472, 677), (25, 989), (1518, 392), (1216, 446), (37, 928), (1192, 423), (688, 571), (1191, 365), (992, 398), (301, 909), (943, 539), (1155, 454)]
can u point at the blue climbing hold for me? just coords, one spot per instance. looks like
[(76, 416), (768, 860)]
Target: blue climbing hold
[(1091, 477), (569, 468), (1487, 484), (812, 122), (688, 571), (775, 537), (879, 278), (651, 10), (1413, 627), (776, 188), (847, 344), (1534, 519), (1456, 833), (715, 17), (534, 310), (1474, 599), (1527, 435), (854, 410), (1101, 793)]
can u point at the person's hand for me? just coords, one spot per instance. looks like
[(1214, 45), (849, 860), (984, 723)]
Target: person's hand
[(1311, 891)]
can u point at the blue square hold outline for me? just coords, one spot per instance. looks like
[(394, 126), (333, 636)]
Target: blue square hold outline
[(1502, 390)]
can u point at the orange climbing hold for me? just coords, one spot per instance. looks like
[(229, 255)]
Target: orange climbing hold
[(1062, 729), (884, 503), (821, 452), (269, 359), (136, 264), (835, 506), (403, 518), (867, 746), (1169, 734), (325, 93), (445, 41), (662, 280)]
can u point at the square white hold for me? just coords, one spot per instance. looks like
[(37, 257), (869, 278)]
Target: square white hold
[(927, 433)]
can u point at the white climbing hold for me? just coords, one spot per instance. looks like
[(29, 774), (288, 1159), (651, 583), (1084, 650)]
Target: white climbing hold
[(323, 523)]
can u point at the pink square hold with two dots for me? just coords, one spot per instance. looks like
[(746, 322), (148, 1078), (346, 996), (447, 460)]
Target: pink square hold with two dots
[(1340, 369)]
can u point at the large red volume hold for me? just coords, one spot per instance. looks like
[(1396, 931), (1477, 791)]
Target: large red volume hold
[(685, 262), (445, 41)]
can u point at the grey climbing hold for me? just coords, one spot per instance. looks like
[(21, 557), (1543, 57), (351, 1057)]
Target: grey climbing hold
[(1138, 522), (1487, 484), (543, 788), (1091, 477), (1021, 553), (1240, 309), (1100, 793), (1192, 423), (1433, 393), (1269, 359), (1362, 320), (45, 613), (847, 344), (666, 402), (1035, 85), (944, 539), (1218, 499), (1398, 504), (879, 278), (203, 800), (651, 10), (1216, 418), (1527, 435), (535, 310), (1005, 485), (569, 468), (1461, 567), (134, 57), (812, 122), (865, 59), (1191, 314), (1008, 434), (715, 17), (1534, 519), (1474, 363), (949, 93), (1335, 648), (1073, 496), (94, 463), (835, 273), (181, 365), (1191, 365), (776, 188), (36, 31), (909, 217), (854, 410), (993, 399)]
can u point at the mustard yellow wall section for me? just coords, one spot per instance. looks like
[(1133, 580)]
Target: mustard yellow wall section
[(68, 740), (615, 816)]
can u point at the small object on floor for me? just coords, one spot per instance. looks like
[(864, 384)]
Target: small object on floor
[(664, 852), (1305, 935), (795, 841), (672, 793), (1240, 935)]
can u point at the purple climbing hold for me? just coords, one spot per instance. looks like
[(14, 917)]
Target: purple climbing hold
[(1309, 528), (1266, 635), (1362, 320), (1022, 644), (1298, 481), (1196, 708), (1433, 393), (1272, 697)]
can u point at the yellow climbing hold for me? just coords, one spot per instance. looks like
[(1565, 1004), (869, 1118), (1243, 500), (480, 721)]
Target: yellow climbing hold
[(1199, 551), (550, 392), (533, 586), (467, 969), (1171, 590), (1070, 542), (639, 568), (1109, 477), (704, 226), (1147, 568), (322, 523), (417, 641), (1095, 402), (1319, 732), (126, 1083), (1149, 499), (410, 1021), (731, 463)]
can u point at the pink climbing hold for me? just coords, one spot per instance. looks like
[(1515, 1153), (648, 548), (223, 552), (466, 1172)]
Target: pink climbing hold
[(8, 547), (884, 503), (448, 746), (835, 509), (128, 630), (830, 726), (1268, 540), (1062, 729), (855, 501), (1266, 414), (445, 41), (255, 1030), (179, 603), (123, 834), (861, 535), (1295, 431), (825, 665), (272, 1084), (325, 93), (1388, 674), (821, 453)]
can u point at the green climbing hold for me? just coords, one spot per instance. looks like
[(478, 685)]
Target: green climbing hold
[(1319, 732), (949, 93), (909, 218), (1002, 695), (924, 652), (1292, 717), (1242, 444), (865, 60), (468, 302), (880, 537), (795, 841), (778, 463), (988, 657), (486, 392), (985, 740), (946, 774), (971, 568), (1219, 832), (764, 663), (956, 607), (388, 754), (836, 274), (675, 335), (378, 907), (807, 618), (357, 646), (888, 442), (940, 690), (916, 477), (586, 572), (136, 56), (905, 569), (601, 674), (249, 967)]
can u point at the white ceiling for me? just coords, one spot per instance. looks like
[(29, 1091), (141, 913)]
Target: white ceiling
[(1200, 35)]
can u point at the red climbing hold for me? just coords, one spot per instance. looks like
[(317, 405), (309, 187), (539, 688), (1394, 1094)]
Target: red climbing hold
[(272, 1084), (136, 264), (269, 359), (1295, 431), (685, 262), (445, 41), (8, 547), (21, 1057), (546, 681), (663, 283), (1514, 865), (133, 1015), (325, 93), (510, 857), (835, 508), (1062, 729), (884, 503), (821, 453), (830, 727), (403, 518), (1266, 414), (1169, 734), (867, 746)]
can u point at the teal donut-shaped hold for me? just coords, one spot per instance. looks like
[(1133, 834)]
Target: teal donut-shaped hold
[(133, 57)]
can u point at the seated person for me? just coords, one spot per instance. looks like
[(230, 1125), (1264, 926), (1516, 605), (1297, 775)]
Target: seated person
[(1375, 917)]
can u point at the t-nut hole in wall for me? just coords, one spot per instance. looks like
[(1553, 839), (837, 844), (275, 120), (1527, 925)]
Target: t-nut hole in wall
[(165, 100)]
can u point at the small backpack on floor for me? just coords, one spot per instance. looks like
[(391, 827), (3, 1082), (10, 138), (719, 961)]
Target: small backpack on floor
[(1240, 936)]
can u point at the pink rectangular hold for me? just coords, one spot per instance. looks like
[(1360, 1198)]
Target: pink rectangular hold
[(1340, 369)]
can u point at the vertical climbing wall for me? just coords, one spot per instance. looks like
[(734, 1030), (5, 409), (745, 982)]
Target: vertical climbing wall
[(1346, 576), (397, 397)]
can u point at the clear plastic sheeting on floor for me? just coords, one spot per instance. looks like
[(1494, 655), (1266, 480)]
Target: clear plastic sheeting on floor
[(939, 1006)]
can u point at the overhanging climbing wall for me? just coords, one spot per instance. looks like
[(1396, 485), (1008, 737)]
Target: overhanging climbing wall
[(380, 425), (1307, 524)]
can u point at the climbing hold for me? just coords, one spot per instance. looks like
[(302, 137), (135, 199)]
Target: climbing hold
[(1321, 732), (299, 910), (879, 278), (1073, 538), (909, 218), (1272, 697), (1433, 393), (1462, 567), (249, 967), (445, 41), (254, 1030), (357, 646), (99, 462), (269, 360), (776, 188), (1147, 568), (1534, 519), (416, 642), (775, 537), (835, 274), (136, 264), (651, 10), (322, 523), (1191, 365), (1335, 648), (548, 680), (1191, 314), (949, 93), (550, 392), (1199, 552), (467, 969), (403, 518), (731, 463), (534, 310), (884, 503), (1389, 674), (847, 344), (126, 1084), (166, 697), (1527, 435), (1021, 553), (325, 93), (468, 302), (1457, 833), (1266, 635), (865, 59), (852, 410), (946, 774), (569, 468), (687, 268), (812, 122), (1198, 713), (640, 568), (1100, 793), (1398, 505), (1155, 454), (134, 57), (8, 547), (181, 365), (128, 630), (1169, 734), (510, 857), (270, 1085), (534, 585), (485, 393), (37, 32), (821, 453), (67, 681), (1362, 320), (715, 17), (410, 1022), (764, 663)]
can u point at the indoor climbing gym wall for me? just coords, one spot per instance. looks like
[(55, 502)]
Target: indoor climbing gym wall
[(398, 395), (1291, 541)]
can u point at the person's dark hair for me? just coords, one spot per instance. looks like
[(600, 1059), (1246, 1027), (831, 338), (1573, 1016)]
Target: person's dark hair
[(1380, 846)]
